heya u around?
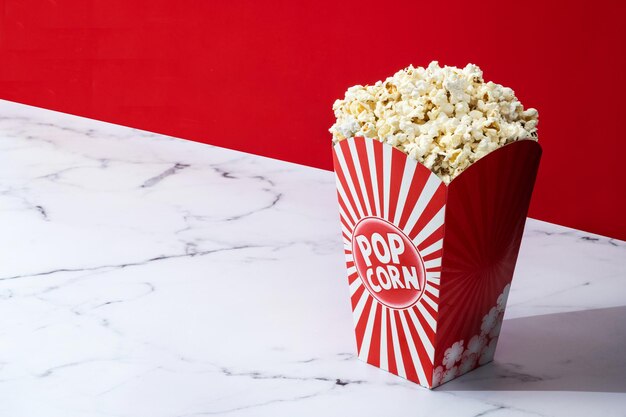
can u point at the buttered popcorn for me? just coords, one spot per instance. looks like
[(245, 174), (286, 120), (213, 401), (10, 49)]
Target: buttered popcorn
[(444, 117)]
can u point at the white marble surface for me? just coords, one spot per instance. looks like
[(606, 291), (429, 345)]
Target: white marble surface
[(142, 275)]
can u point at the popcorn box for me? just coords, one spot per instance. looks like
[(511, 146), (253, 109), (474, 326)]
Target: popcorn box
[(429, 264)]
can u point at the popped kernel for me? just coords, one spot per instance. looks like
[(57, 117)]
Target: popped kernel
[(444, 117)]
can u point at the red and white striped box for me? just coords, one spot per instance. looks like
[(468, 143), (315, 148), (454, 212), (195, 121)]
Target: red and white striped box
[(429, 264)]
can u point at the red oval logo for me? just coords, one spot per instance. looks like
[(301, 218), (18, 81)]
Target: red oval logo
[(388, 263)]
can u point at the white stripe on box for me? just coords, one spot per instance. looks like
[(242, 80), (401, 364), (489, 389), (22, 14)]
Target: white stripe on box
[(384, 359), (369, 143), (355, 286), (407, 178), (432, 225), (367, 336), (434, 291), (432, 248), (426, 195), (428, 346), (359, 174), (397, 353), (421, 376), (386, 179), (344, 216), (430, 302), (433, 263), (345, 230), (429, 319), (433, 276), (346, 174), (358, 310), (344, 198)]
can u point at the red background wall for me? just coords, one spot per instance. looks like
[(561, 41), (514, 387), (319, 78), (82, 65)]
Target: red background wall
[(262, 76)]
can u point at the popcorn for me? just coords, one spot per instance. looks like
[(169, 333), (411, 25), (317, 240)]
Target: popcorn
[(453, 354), (444, 117)]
